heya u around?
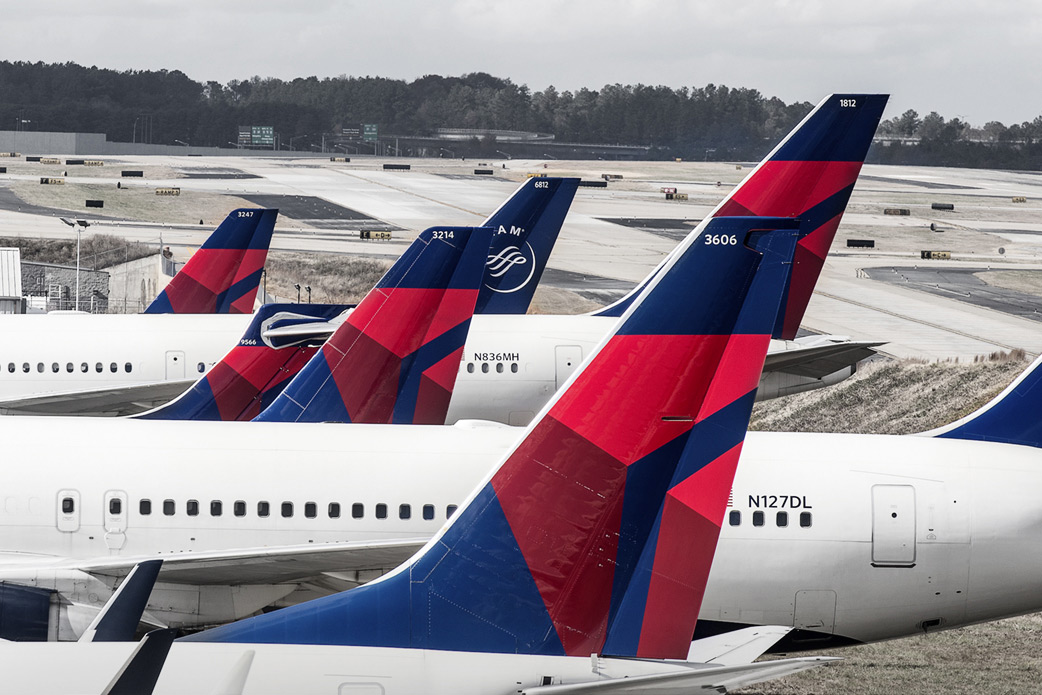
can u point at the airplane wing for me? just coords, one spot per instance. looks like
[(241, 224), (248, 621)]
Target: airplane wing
[(116, 400), (267, 565), (819, 358), (738, 646), (694, 677)]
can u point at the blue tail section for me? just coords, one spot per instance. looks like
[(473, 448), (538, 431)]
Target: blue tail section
[(541, 556), (396, 357), (1012, 417), (257, 369), (526, 228), (222, 277)]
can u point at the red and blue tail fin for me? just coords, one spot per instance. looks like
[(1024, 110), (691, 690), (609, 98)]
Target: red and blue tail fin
[(546, 555), (526, 228), (396, 357), (1012, 417), (809, 175), (222, 277), (249, 378)]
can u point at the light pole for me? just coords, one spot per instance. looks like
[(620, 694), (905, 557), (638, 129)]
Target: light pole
[(182, 142), (308, 288), (451, 152), (297, 287), (503, 153), (79, 225)]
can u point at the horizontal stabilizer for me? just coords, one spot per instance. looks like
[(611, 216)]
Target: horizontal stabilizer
[(721, 678), (115, 400), (737, 647), (818, 360)]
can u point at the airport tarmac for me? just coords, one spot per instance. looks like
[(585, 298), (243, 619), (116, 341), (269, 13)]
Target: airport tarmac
[(612, 237)]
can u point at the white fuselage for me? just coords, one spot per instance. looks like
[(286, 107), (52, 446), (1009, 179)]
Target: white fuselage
[(510, 368), (900, 534)]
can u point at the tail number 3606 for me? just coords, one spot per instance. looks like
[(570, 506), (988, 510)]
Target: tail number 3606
[(721, 240)]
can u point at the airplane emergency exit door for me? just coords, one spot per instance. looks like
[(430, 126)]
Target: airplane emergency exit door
[(893, 526)]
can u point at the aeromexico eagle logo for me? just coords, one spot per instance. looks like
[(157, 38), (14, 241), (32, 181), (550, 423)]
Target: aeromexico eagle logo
[(511, 261)]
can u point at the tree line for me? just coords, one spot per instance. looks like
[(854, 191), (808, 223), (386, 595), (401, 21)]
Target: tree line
[(711, 122)]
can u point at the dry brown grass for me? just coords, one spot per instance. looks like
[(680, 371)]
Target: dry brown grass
[(96, 250), (333, 279)]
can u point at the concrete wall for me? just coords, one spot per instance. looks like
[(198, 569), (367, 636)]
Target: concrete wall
[(133, 285), (58, 283), (48, 143)]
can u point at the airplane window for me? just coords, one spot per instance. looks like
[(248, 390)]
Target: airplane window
[(10, 367), (734, 518), (484, 367), (201, 367), (381, 511), (113, 367), (84, 367), (428, 512), (99, 368), (782, 519), (39, 367), (499, 368), (310, 510), (69, 367), (55, 367), (757, 518), (168, 507), (68, 505), (287, 509), (128, 367), (334, 510), (357, 510), (263, 509), (450, 510), (115, 506), (25, 367), (192, 507), (144, 507), (804, 519), (470, 367), (513, 368), (239, 508), (216, 508), (404, 511)]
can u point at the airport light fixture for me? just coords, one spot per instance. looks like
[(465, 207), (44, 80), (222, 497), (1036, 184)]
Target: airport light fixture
[(182, 142), (503, 153), (297, 287), (308, 288), (79, 226), (451, 152)]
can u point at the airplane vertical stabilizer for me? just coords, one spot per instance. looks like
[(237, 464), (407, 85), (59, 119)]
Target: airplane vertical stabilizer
[(526, 228), (563, 546), (222, 277), (256, 370), (809, 175), (396, 357)]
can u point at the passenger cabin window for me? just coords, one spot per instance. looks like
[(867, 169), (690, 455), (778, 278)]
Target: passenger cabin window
[(68, 505), (115, 506), (192, 508), (39, 367), (128, 367), (357, 510), (113, 367), (99, 367), (200, 367), (310, 510), (287, 510), (499, 368), (25, 367), (805, 519), (334, 510), (513, 368), (782, 519), (470, 367), (10, 367), (84, 367), (239, 508), (450, 510), (404, 511), (69, 367), (428, 512), (144, 507), (55, 367), (734, 518), (263, 509), (484, 367), (381, 511), (168, 507), (757, 518), (216, 508)]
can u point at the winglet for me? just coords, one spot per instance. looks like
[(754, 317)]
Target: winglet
[(526, 228), (119, 618), (1012, 417), (645, 436), (223, 275), (396, 357), (254, 372)]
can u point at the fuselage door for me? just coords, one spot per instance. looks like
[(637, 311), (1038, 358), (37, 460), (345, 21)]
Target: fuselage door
[(115, 519), (893, 526), (568, 359), (68, 511), (175, 365)]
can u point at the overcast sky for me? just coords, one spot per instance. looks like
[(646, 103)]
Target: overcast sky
[(975, 59)]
